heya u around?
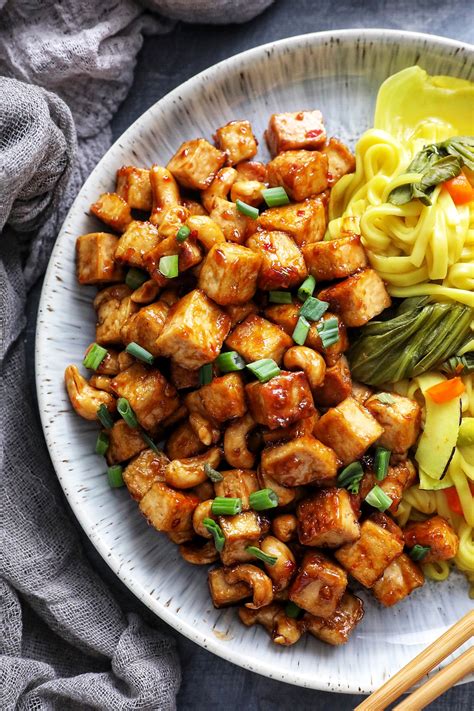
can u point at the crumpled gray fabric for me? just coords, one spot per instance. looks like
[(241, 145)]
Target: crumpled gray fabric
[(66, 66)]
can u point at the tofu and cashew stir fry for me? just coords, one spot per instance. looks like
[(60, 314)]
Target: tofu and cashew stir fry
[(219, 379)]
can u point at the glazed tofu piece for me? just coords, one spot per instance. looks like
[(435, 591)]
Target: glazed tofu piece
[(349, 429), (282, 265), (340, 160), (138, 239), (300, 461), (114, 307), (239, 532), (335, 258), (358, 298), (252, 170), (337, 628), (183, 378), (337, 385), (150, 395), (400, 419), (294, 131), (195, 164), (234, 224), (257, 338), (224, 398), (95, 254), (284, 399), (183, 442), (224, 593), (399, 579), (237, 483), (194, 331), (219, 188), (133, 186), (167, 509), (302, 173), (327, 519), (145, 326), (436, 534), (399, 477), (304, 221), (239, 312), (229, 273), (142, 472), (361, 392), (237, 141), (380, 542), (319, 585), (124, 443), (113, 210)]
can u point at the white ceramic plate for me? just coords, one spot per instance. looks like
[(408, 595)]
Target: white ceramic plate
[(340, 73)]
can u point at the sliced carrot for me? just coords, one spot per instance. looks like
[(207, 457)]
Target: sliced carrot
[(446, 391), (460, 189), (453, 500)]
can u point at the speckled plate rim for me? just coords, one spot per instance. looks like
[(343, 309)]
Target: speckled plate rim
[(41, 345)]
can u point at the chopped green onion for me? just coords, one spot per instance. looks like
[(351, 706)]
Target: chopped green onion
[(102, 443), (205, 374), (307, 288), (247, 210), (275, 197), (418, 552), (350, 477), (230, 362), (140, 353), (114, 475), (257, 553), (168, 266), (292, 610), (280, 297), (329, 331), (264, 369), (378, 499), (183, 234), (214, 528), (226, 506), (94, 356), (301, 331), (124, 409), (313, 308), (105, 417), (382, 459), (385, 398), (135, 278), (263, 499), (213, 474), (148, 441)]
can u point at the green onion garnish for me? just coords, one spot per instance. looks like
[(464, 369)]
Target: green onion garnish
[(329, 331), (140, 353), (226, 506), (94, 356), (183, 233), (301, 331), (124, 409), (313, 308), (205, 374), (275, 197), (135, 278), (230, 362), (382, 459), (385, 398), (307, 288), (168, 266), (378, 499), (257, 553), (418, 552), (102, 443), (213, 474), (105, 417), (216, 531), (264, 369), (280, 297), (148, 441), (292, 610), (114, 475), (263, 499), (349, 478), (247, 210)]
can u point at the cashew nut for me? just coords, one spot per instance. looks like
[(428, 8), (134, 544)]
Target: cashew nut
[(84, 398), (236, 450), (199, 554), (101, 382), (179, 537), (125, 360), (109, 364), (249, 191), (207, 232), (307, 360), (285, 566), (219, 187), (172, 219), (202, 511), (183, 442), (256, 579), (146, 293), (285, 495), (284, 630), (165, 192), (194, 207), (204, 429), (186, 473), (284, 527)]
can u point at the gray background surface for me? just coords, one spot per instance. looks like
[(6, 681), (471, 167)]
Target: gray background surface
[(165, 62)]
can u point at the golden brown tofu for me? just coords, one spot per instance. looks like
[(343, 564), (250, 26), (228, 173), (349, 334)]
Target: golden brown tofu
[(302, 173), (195, 164), (183, 442), (124, 443), (340, 160), (167, 509), (114, 307), (133, 186), (145, 326), (165, 193), (358, 298), (229, 273), (335, 258), (319, 585), (189, 255), (237, 483), (150, 395), (336, 629), (234, 224), (436, 534), (252, 170), (95, 259), (337, 385), (219, 188), (400, 419), (224, 398), (143, 471), (257, 338), (304, 221), (113, 210), (399, 579), (327, 519), (285, 494), (380, 542), (237, 141), (284, 399), (399, 477), (282, 265), (349, 429), (224, 593), (183, 378), (194, 331), (294, 131), (300, 461), (360, 392), (239, 312), (239, 532), (138, 239)]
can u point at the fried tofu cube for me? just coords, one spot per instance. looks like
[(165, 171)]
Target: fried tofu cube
[(294, 131), (239, 532), (336, 629), (133, 186), (113, 210), (224, 398), (282, 265), (183, 442), (237, 141), (284, 399), (349, 429), (95, 255), (436, 534), (145, 326), (183, 378), (150, 395), (327, 519), (340, 160), (399, 477), (195, 164), (224, 593), (361, 392), (142, 472), (138, 239), (229, 273), (284, 315), (380, 542), (400, 419), (304, 221), (252, 170), (234, 224), (300, 461), (239, 312), (337, 385), (257, 338), (114, 307), (319, 585), (302, 173), (124, 443), (167, 509), (399, 579), (335, 258), (194, 331), (237, 483), (358, 298)]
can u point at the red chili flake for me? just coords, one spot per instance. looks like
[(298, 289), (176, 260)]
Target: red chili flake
[(330, 176), (193, 233), (299, 116), (300, 213), (314, 133)]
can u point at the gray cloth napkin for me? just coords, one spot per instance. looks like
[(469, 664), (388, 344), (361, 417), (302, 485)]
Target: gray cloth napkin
[(66, 66)]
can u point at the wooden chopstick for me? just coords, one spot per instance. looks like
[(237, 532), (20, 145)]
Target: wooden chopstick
[(429, 658)]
